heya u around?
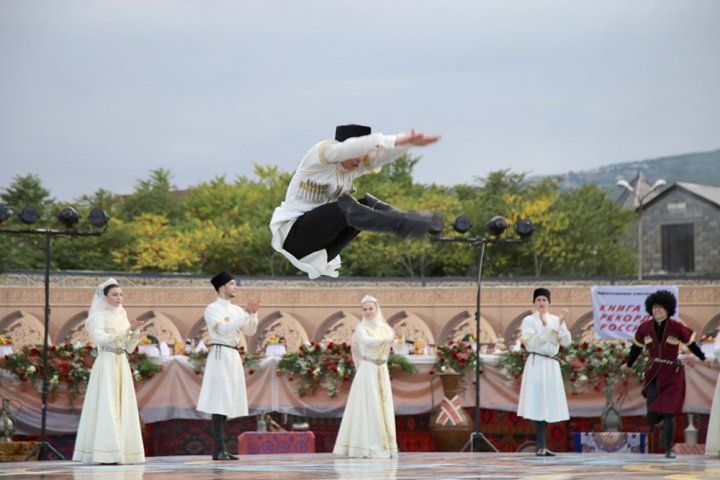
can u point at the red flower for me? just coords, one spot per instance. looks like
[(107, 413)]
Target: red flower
[(346, 378), (432, 372), (290, 378), (251, 371), (330, 345), (586, 344)]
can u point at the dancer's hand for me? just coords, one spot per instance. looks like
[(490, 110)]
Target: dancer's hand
[(252, 305), (416, 138)]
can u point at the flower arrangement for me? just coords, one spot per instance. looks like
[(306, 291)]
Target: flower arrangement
[(199, 359), (455, 357), (5, 340), (584, 365), (276, 339), (329, 366), (314, 365), (68, 365)]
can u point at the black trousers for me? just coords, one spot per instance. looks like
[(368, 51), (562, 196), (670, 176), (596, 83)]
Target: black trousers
[(323, 227), (668, 419)]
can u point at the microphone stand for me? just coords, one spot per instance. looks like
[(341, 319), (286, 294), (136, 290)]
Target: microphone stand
[(481, 242)]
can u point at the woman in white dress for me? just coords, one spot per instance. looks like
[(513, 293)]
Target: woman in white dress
[(542, 393), (368, 424), (109, 430), (712, 442)]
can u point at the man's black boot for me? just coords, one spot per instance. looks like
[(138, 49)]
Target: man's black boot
[(376, 204), (668, 435), (404, 224), (218, 427)]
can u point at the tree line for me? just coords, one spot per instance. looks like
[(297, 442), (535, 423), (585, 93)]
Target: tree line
[(223, 225)]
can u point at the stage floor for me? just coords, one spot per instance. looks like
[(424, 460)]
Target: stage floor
[(435, 465)]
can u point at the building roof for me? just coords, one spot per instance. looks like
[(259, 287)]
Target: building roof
[(708, 193)]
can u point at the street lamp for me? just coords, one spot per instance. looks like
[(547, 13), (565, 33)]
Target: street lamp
[(640, 199)]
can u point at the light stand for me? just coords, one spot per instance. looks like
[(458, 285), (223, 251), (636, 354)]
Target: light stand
[(44, 446), (481, 242)]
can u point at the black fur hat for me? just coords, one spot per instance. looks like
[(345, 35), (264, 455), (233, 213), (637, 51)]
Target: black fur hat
[(544, 292), (343, 132), (221, 279), (665, 299)]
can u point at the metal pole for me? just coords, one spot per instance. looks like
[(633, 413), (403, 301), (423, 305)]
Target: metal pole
[(45, 342), (640, 240)]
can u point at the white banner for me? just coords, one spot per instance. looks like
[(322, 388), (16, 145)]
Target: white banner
[(619, 310)]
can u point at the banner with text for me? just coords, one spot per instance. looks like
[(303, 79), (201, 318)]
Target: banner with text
[(619, 310)]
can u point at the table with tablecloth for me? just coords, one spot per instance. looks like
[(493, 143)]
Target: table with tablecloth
[(173, 393)]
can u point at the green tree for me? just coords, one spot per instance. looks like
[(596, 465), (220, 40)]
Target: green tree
[(25, 252), (156, 195)]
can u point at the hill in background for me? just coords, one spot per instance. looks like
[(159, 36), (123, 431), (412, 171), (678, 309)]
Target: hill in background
[(702, 168)]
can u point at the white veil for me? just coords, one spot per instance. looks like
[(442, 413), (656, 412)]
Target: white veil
[(356, 347), (99, 304)]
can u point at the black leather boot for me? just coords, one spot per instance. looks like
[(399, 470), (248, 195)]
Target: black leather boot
[(224, 428), (668, 435), (218, 427), (376, 204), (404, 224)]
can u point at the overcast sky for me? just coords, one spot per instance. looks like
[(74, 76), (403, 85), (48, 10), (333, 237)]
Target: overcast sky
[(95, 94)]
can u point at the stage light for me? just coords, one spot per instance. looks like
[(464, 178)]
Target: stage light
[(5, 213), (524, 228), (69, 217), (98, 217), (497, 225), (29, 215), (461, 224)]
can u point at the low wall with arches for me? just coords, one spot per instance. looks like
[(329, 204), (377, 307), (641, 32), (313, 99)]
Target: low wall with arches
[(319, 311)]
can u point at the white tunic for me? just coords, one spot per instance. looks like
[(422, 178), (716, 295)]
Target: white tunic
[(368, 424), (712, 442), (542, 393), (320, 179), (109, 429), (223, 388)]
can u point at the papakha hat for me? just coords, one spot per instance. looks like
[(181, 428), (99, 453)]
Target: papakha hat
[(665, 299), (343, 132), (221, 279)]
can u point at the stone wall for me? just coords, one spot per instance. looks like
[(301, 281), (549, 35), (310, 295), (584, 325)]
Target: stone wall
[(301, 310)]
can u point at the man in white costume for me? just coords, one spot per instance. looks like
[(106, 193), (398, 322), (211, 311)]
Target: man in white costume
[(319, 216), (223, 393), (542, 392)]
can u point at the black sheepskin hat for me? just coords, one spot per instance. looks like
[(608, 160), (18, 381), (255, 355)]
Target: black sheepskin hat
[(665, 299)]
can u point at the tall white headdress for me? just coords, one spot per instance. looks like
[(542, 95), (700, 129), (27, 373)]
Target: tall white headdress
[(356, 349), (98, 302)]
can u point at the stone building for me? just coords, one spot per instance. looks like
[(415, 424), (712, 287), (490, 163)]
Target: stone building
[(681, 230)]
